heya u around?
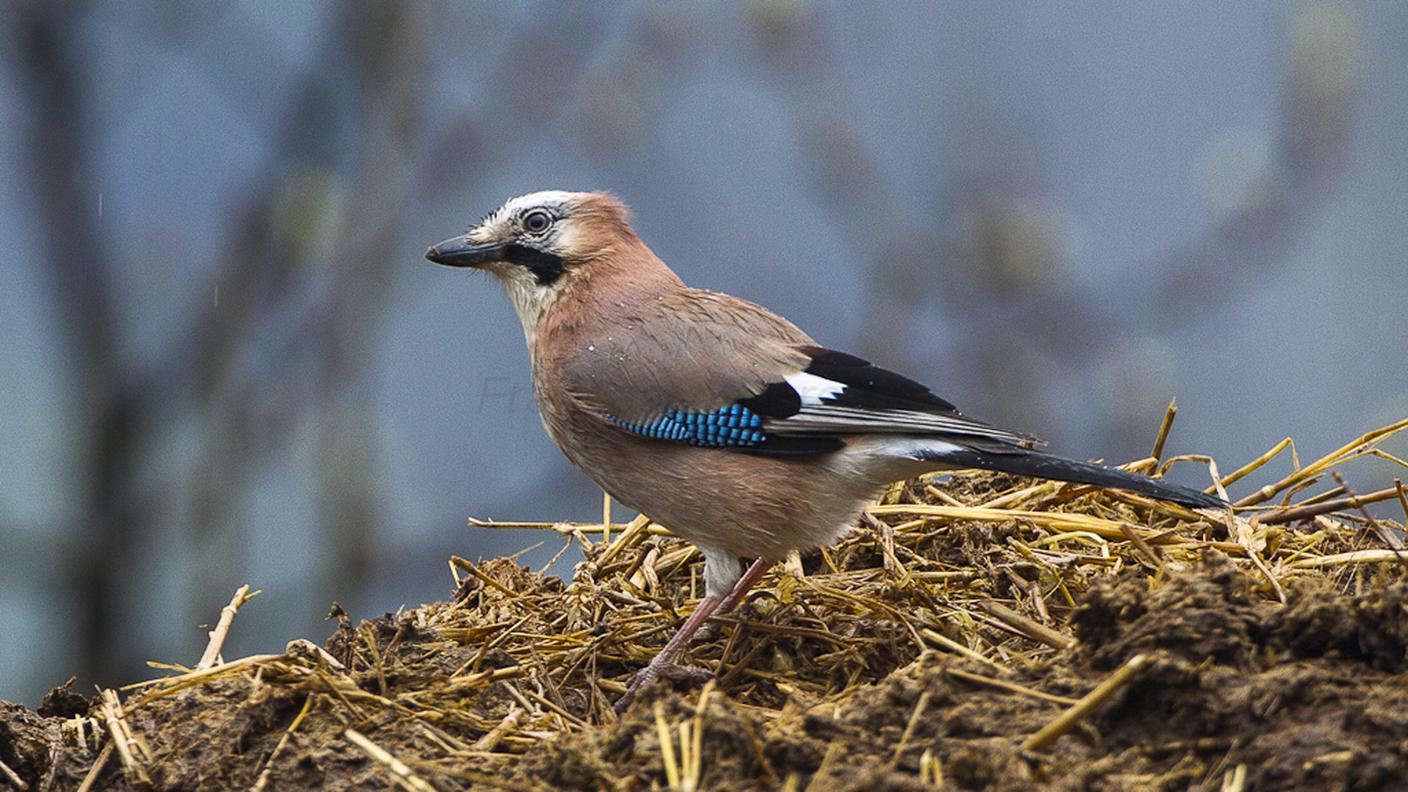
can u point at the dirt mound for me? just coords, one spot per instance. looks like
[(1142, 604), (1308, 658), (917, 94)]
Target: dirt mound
[(977, 632), (1233, 681)]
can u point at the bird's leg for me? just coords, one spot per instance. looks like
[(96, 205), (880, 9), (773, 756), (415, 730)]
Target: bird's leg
[(735, 595), (664, 661), (663, 664), (744, 585)]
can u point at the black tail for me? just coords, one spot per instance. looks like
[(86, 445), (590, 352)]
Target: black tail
[(1034, 463)]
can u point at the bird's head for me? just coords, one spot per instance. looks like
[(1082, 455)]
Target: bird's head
[(540, 244)]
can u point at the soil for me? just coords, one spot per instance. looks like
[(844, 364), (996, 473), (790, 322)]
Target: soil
[(1307, 696), (1240, 690)]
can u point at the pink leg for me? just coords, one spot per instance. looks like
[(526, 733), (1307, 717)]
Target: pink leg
[(665, 660), (735, 596), (676, 645), (744, 585), (674, 648)]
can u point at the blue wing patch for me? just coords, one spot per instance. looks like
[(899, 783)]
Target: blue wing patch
[(734, 426)]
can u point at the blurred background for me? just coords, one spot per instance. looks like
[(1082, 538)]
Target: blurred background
[(224, 359)]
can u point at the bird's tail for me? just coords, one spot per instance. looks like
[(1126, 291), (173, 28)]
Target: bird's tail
[(1025, 462)]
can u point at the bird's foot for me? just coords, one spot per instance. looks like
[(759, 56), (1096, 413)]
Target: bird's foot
[(708, 632), (713, 628), (670, 672)]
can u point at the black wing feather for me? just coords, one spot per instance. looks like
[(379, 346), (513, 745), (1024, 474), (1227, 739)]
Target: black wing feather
[(870, 386)]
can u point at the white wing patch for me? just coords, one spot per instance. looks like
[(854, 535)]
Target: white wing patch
[(812, 388)]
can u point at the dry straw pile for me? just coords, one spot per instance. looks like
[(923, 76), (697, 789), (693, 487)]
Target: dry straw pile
[(976, 631)]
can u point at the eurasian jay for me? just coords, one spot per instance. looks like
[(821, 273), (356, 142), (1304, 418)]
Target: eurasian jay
[(713, 416)]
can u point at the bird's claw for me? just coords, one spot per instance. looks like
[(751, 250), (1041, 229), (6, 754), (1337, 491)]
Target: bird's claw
[(708, 632), (670, 672), (684, 673), (713, 628)]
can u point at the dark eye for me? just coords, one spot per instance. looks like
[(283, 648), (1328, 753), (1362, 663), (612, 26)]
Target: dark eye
[(537, 221)]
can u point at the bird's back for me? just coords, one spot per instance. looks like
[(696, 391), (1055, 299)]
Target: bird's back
[(624, 333)]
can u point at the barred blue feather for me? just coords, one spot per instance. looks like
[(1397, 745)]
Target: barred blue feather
[(734, 426)]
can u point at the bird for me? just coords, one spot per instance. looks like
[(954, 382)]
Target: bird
[(714, 416)]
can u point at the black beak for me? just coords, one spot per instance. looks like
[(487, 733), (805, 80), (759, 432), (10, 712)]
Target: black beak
[(460, 252)]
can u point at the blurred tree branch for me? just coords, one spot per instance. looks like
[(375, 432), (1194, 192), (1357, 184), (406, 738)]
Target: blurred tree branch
[(310, 303), (112, 414)]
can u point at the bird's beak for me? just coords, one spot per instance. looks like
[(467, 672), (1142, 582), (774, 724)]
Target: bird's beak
[(461, 252)]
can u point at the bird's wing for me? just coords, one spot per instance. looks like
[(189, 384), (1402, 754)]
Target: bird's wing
[(839, 394), (711, 370)]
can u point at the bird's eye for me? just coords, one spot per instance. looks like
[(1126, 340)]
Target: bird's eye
[(537, 221)]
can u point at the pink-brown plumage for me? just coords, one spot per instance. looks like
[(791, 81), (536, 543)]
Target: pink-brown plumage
[(627, 337)]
